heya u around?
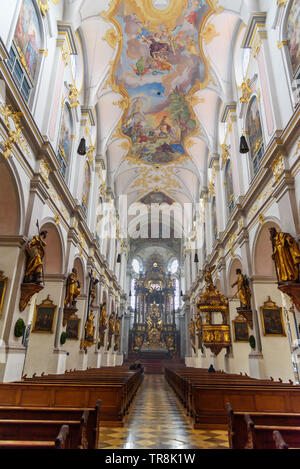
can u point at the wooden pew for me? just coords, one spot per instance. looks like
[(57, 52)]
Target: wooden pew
[(88, 421), (237, 426), (61, 441), (129, 381), (279, 441), (263, 437), (209, 393)]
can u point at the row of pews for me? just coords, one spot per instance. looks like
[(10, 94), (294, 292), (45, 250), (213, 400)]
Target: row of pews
[(259, 414), (65, 411)]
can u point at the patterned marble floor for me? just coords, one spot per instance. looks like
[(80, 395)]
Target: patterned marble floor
[(158, 421)]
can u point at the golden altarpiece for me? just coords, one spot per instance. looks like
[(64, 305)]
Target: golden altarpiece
[(154, 328)]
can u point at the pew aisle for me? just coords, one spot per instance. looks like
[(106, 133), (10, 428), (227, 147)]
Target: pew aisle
[(158, 421)]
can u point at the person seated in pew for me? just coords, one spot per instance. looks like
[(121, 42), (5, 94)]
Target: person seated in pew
[(211, 369)]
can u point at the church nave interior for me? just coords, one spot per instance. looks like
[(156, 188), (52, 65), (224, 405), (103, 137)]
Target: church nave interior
[(149, 224)]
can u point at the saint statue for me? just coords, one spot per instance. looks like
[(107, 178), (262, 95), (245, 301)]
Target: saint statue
[(103, 316), (111, 323), (192, 333), (199, 322), (244, 291), (35, 252), (286, 255), (73, 289), (118, 325), (94, 282), (89, 328)]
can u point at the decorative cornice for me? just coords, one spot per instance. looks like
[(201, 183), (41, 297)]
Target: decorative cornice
[(257, 20), (65, 31), (11, 241), (227, 110)]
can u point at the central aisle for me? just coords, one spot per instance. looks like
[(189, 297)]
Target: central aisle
[(158, 421)]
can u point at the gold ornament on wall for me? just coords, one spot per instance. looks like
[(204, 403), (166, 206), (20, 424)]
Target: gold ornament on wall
[(12, 121), (73, 96), (246, 91)]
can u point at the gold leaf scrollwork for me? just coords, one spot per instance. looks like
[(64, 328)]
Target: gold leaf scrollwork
[(246, 91), (278, 168), (12, 121), (44, 7), (112, 38), (73, 96)]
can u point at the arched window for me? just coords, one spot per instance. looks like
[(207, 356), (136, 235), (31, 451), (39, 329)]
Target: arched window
[(136, 266), (214, 219), (254, 128), (65, 139), (293, 37), (229, 191), (25, 49), (133, 294), (173, 266), (86, 187), (177, 295)]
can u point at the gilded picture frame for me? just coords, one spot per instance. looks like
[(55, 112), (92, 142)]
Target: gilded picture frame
[(73, 328), (272, 319), (3, 285), (241, 331), (44, 317)]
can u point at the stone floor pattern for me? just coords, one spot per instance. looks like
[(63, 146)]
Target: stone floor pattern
[(158, 421)]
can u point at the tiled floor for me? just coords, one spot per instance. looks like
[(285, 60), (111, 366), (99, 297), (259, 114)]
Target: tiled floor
[(158, 421)]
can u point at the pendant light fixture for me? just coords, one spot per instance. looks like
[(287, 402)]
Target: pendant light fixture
[(82, 147)]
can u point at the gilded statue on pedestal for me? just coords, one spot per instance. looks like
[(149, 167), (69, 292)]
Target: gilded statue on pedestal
[(244, 291), (111, 329), (286, 255), (35, 252), (111, 324), (103, 316), (89, 328), (73, 289), (94, 283), (117, 332)]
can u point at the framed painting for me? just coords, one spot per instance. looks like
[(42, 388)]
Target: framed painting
[(3, 285), (27, 36), (293, 37), (44, 317), (272, 319), (240, 331), (65, 138), (73, 326)]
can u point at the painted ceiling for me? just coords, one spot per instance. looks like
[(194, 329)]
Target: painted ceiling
[(158, 72)]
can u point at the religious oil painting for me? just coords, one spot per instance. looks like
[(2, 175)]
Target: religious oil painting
[(161, 66), (293, 36), (156, 198), (27, 36), (73, 329), (240, 331), (66, 133), (44, 317), (254, 126), (272, 319)]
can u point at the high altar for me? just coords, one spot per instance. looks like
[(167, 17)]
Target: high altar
[(154, 327)]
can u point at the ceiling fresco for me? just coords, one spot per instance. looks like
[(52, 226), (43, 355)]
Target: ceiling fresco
[(159, 67)]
